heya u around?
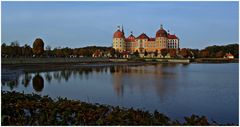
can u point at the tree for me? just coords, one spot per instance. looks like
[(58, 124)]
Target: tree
[(26, 50), (156, 53), (14, 43), (164, 52), (118, 54), (220, 54), (4, 49), (15, 50), (48, 48), (38, 47), (173, 53), (205, 53), (184, 52), (145, 53), (59, 52), (112, 52), (232, 48), (195, 52), (4, 45), (66, 52), (136, 53)]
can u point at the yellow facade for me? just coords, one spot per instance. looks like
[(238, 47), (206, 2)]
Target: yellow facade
[(119, 44), (143, 43)]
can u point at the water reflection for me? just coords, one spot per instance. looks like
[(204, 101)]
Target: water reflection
[(38, 83), (48, 77), (11, 84), (131, 77), (176, 89), (157, 78), (26, 80)]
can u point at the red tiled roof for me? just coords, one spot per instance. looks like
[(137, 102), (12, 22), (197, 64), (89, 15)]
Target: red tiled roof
[(172, 36), (118, 34), (228, 54), (143, 36), (131, 38), (151, 39)]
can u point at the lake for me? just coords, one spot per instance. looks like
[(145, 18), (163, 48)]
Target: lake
[(176, 90)]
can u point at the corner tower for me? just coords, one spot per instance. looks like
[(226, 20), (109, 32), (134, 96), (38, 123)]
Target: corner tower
[(119, 40), (161, 38)]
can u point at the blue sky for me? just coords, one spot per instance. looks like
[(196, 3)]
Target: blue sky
[(78, 24)]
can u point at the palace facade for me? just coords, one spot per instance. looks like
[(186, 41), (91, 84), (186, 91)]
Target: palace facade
[(144, 43)]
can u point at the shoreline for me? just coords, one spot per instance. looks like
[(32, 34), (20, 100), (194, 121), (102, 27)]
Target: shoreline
[(11, 71), (90, 60), (32, 109), (26, 61)]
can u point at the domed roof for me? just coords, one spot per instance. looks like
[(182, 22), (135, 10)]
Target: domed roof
[(161, 32), (118, 34)]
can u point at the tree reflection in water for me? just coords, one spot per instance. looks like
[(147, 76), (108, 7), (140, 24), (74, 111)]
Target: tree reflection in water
[(57, 76), (26, 79), (48, 77), (11, 84), (66, 74), (159, 77), (38, 83)]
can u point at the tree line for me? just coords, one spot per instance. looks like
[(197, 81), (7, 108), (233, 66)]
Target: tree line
[(15, 50), (211, 51)]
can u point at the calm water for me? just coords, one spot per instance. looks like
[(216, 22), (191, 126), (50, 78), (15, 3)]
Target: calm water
[(176, 90)]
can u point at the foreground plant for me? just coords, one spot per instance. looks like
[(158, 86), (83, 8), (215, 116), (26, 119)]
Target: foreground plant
[(32, 109)]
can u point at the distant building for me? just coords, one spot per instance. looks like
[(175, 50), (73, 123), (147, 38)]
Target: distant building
[(229, 56), (141, 43), (97, 54)]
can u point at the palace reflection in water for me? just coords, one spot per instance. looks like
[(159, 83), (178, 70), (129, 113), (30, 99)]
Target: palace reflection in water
[(177, 90), (122, 76)]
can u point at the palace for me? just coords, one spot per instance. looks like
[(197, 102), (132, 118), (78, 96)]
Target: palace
[(144, 43)]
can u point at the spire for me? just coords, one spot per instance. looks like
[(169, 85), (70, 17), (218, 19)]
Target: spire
[(131, 32), (122, 30), (161, 26)]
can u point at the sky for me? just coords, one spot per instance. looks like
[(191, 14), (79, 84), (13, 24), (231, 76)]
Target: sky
[(87, 23)]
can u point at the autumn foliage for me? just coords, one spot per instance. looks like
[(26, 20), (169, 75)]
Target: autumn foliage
[(38, 47), (164, 52)]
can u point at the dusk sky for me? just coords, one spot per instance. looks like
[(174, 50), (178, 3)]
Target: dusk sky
[(78, 24)]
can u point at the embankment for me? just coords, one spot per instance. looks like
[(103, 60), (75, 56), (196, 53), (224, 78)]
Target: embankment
[(215, 60), (10, 61), (24, 61)]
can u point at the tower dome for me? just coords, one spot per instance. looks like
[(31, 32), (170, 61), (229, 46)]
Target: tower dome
[(118, 33), (130, 38), (161, 32)]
